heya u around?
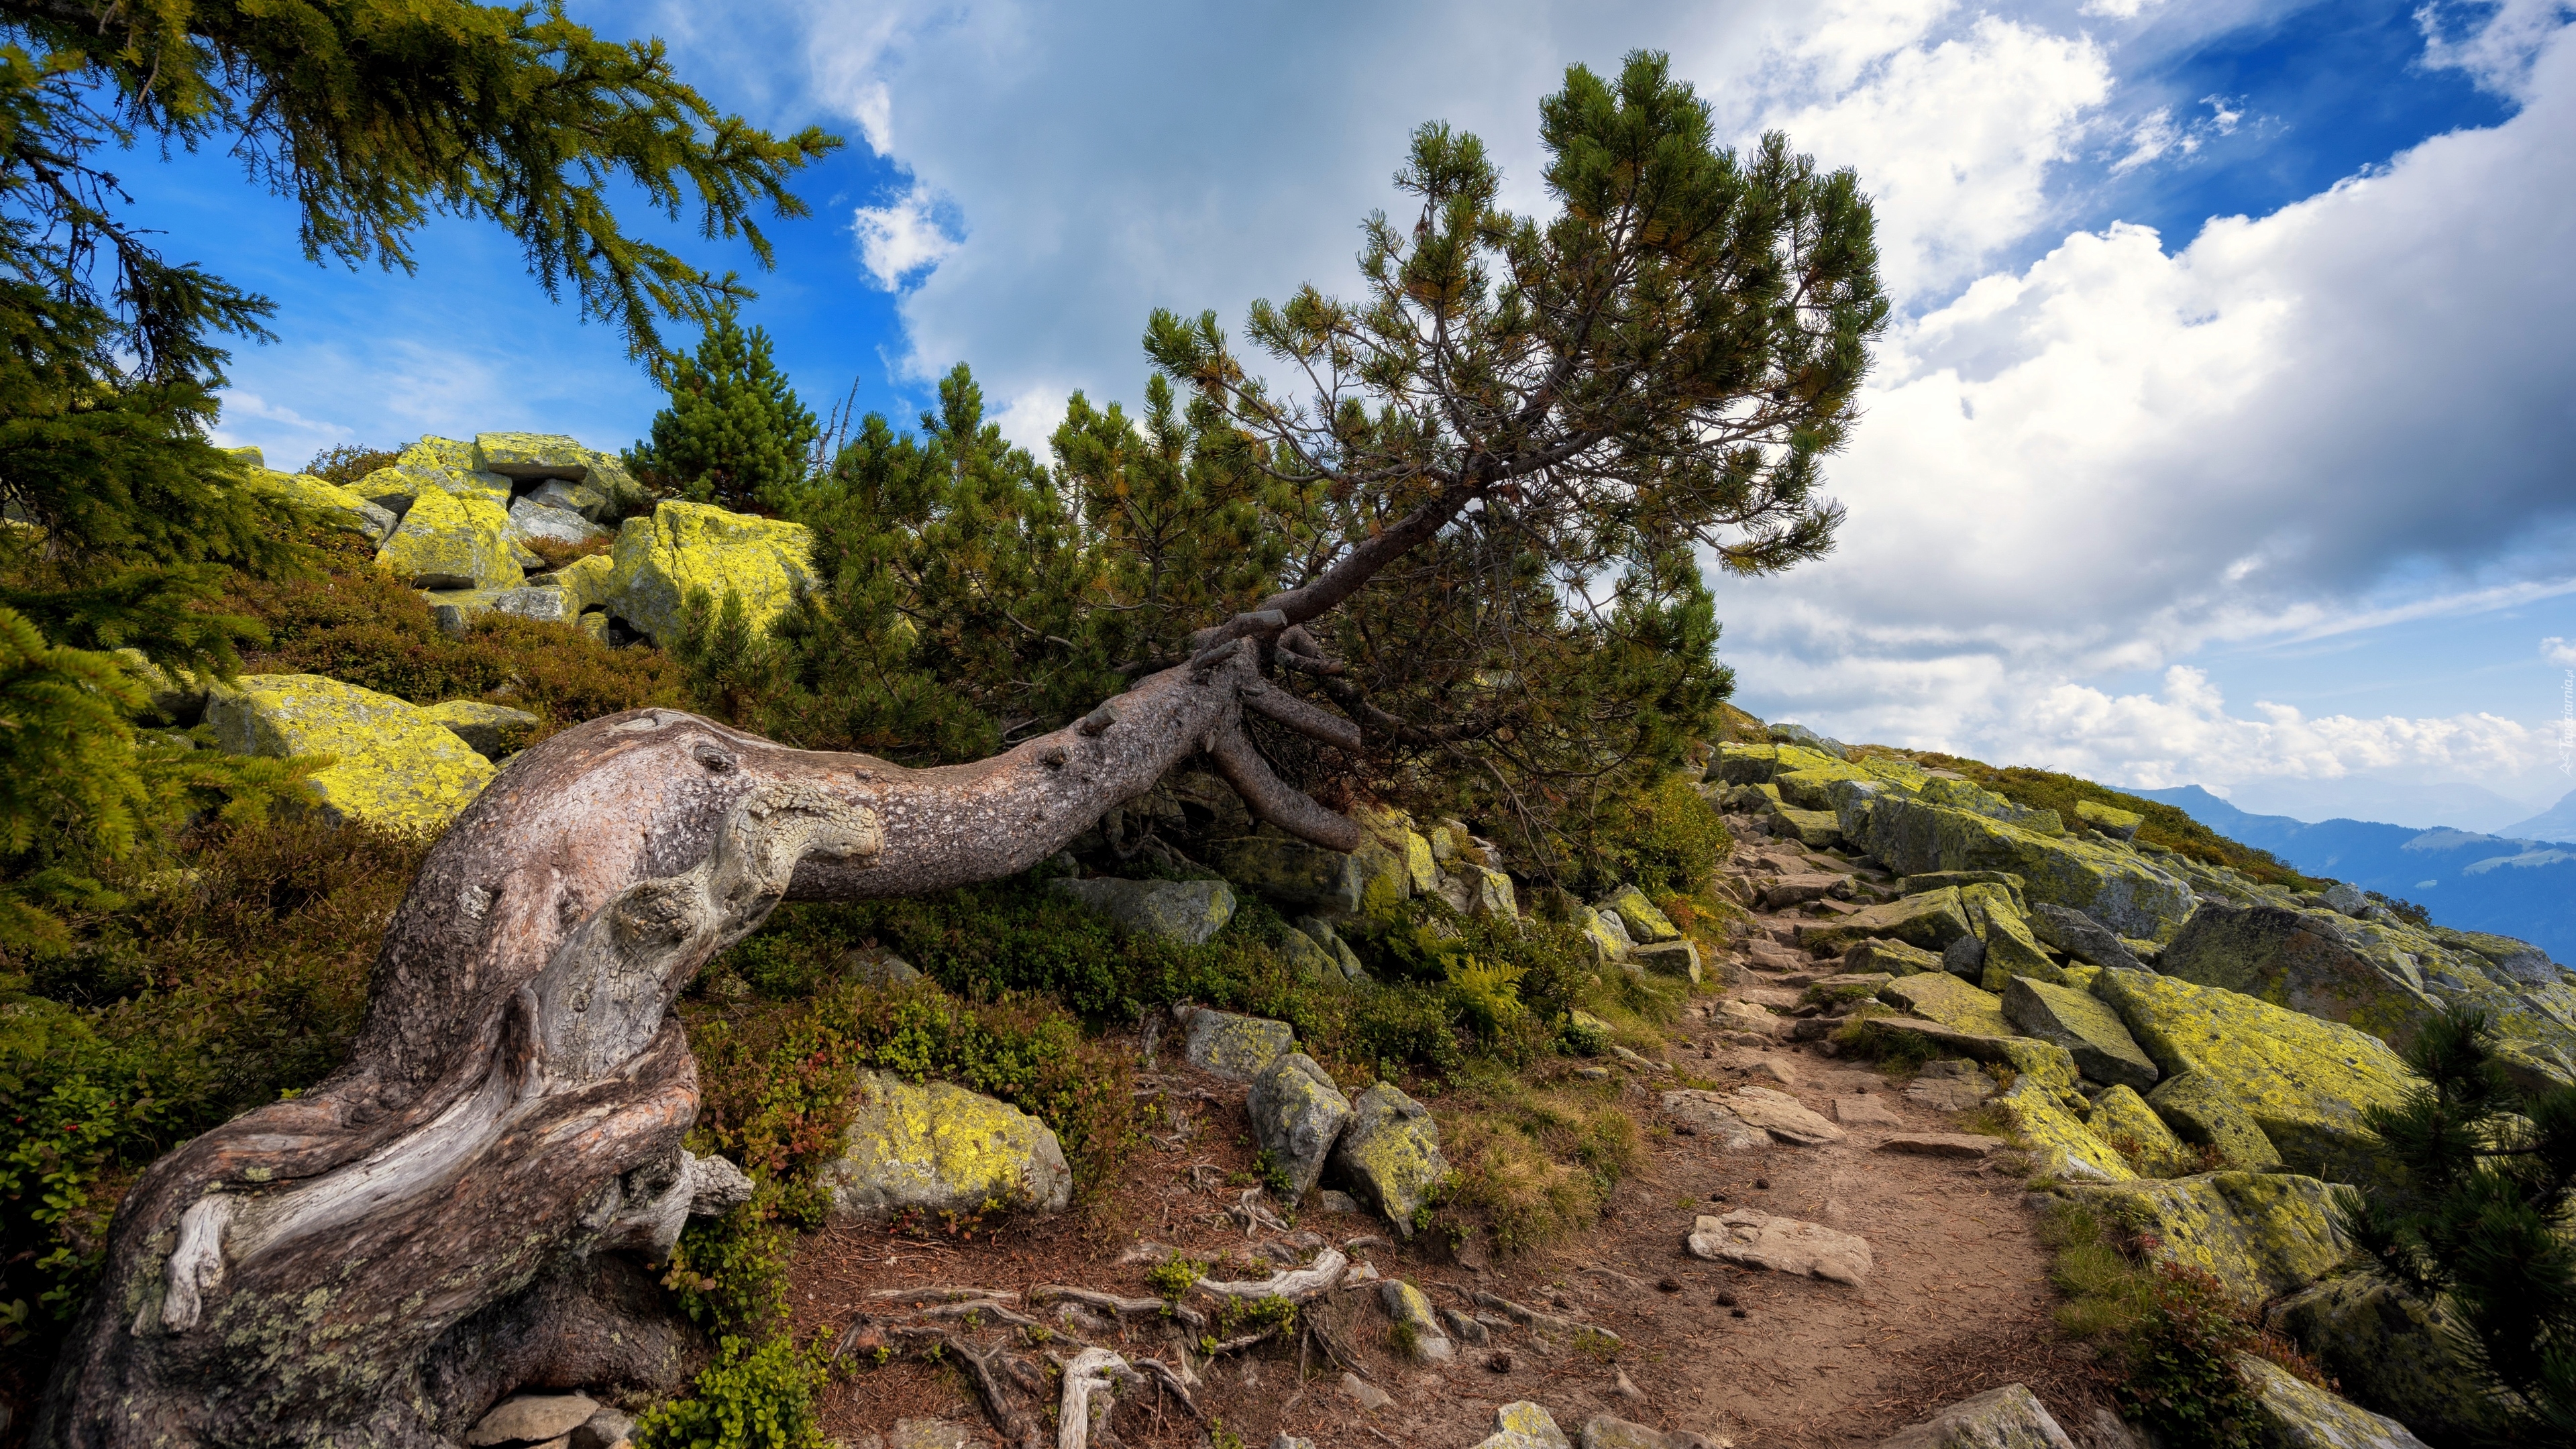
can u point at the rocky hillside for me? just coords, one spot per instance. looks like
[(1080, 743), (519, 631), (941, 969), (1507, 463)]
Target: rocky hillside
[(2158, 1046)]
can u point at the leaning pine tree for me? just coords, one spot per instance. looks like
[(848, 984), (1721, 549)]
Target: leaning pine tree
[(1666, 360)]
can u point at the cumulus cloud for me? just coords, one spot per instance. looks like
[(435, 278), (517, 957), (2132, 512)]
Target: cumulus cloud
[(903, 238), (2558, 651), (2345, 412)]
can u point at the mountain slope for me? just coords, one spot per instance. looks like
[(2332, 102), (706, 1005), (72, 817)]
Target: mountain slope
[(2471, 882), (2558, 822)]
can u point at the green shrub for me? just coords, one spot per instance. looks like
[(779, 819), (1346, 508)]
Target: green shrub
[(754, 1396)]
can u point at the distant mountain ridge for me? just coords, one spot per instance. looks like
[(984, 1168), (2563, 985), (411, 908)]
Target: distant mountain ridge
[(2558, 822), (2517, 885)]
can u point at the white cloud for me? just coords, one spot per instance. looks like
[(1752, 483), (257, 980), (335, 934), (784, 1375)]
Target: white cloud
[(2496, 41), (2558, 651), (2346, 413), (899, 240)]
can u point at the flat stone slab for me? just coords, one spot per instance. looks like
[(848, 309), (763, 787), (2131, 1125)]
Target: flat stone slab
[(1708, 1115), (1864, 1112), (1756, 1239), (2090, 1031), (532, 1419), (1940, 997), (1951, 1094), (1943, 1144), (1783, 1116)]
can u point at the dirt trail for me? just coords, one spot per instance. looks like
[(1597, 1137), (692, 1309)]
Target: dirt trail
[(1956, 1302)]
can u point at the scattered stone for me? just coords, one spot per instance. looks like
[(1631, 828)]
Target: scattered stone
[(1363, 1393), (1418, 1328), (1389, 1155), (1477, 890), (1464, 1328), (1500, 1363), (1756, 1239), (1524, 1425), (2307, 1417), (1930, 920), (604, 1430), (2103, 1049), (1183, 911), (1302, 955), (875, 966), (1864, 1112), (1645, 924), (1943, 1144), (1234, 1046), (489, 730), (1707, 1114), (1603, 932), (660, 559), (1950, 1094), (2080, 936), (396, 765), (1782, 1115), (1668, 958), (1333, 1200), (1286, 1440), (1745, 1016), (1774, 1069), (531, 1419), (937, 1147), (1297, 1111), (2263, 1234), (2007, 1418), (1798, 890), (1943, 998), (1765, 955), (1896, 958)]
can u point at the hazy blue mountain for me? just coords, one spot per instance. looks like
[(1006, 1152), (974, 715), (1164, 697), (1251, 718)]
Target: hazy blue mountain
[(2558, 822), (2513, 886), (2457, 806)]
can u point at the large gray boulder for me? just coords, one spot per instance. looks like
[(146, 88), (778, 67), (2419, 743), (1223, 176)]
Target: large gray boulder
[(1184, 911), (1297, 1114), (1241, 1047), (2090, 1031), (934, 1147), (1389, 1156), (2079, 936), (2011, 1417), (2307, 1417)]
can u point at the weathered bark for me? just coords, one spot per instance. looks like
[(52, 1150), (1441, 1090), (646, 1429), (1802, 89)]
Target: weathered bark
[(350, 1266)]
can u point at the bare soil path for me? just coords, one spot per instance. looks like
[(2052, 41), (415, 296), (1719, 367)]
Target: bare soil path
[(1957, 1301)]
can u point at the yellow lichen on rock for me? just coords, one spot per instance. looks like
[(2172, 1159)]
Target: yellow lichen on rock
[(935, 1147), (2059, 1143), (448, 541), (2260, 1233), (681, 547), (393, 766)]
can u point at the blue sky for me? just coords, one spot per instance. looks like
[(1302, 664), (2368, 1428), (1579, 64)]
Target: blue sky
[(2223, 437)]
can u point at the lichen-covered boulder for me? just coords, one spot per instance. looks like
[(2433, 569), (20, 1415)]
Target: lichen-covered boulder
[(1477, 890), (2123, 1119), (2382, 976), (934, 1147), (587, 583), (660, 559), (2307, 1417), (454, 609), (1241, 1047), (395, 766), (1894, 957), (1329, 884), (1297, 1114), (2111, 820), (2061, 1145), (1815, 829), (1930, 919), (1939, 996), (1524, 1425), (449, 542), (490, 730), (1186, 911), (2010, 949), (2262, 1234), (1417, 1327), (2389, 1352), (1668, 958), (1307, 958), (2102, 1047), (1604, 933), (2201, 1111), (2302, 1081), (531, 519), (2080, 936), (526, 456), (1644, 923), (2109, 883), (329, 501), (1389, 1156), (2010, 1417)]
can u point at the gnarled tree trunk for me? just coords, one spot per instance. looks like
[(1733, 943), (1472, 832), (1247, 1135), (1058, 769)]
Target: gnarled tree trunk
[(377, 1260)]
